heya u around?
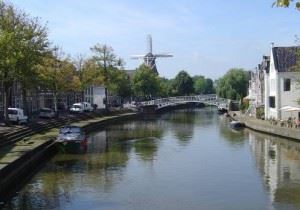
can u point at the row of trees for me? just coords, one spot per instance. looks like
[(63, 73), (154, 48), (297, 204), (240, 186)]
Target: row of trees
[(147, 84), (27, 56)]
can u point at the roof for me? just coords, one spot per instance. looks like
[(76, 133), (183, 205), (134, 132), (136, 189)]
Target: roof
[(285, 58)]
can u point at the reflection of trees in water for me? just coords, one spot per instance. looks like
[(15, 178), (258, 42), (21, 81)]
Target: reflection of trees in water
[(181, 123), (233, 137), (278, 161), (135, 130), (69, 173), (146, 148)]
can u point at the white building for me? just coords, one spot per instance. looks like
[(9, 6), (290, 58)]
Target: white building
[(95, 95), (281, 83), (256, 87)]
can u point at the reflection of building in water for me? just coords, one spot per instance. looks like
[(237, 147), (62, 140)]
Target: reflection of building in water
[(278, 161), (98, 141)]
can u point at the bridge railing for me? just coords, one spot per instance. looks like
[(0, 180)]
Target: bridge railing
[(211, 99)]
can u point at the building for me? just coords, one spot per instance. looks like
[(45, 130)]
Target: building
[(256, 87), (38, 98), (281, 83), (95, 95)]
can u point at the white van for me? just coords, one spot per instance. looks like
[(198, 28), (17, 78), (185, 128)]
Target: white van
[(17, 115), (77, 108), (87, 107)]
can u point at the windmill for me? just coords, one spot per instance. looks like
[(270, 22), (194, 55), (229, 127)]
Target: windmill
[(149, 57)]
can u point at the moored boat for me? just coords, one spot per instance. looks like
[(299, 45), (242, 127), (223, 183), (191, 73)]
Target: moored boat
[(236, 124), (71, 139)]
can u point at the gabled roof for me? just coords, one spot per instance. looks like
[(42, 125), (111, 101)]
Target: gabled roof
[(285, 58)]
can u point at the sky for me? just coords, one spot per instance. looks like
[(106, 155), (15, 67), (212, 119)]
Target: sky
[(206, 37)]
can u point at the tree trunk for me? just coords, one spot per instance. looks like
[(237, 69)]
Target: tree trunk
[(55, 101), (24, 100), (6, 102)]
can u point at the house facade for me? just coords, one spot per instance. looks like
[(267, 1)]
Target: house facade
[(281, 83), (256, 91), (95, 95)]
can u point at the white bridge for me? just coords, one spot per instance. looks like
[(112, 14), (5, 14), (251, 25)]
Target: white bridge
[(211, 99)]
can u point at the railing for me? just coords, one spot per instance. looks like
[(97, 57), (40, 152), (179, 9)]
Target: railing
[(210, 99)]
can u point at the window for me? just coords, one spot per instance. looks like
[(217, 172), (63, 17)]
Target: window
[(272, 101), (287, 85)]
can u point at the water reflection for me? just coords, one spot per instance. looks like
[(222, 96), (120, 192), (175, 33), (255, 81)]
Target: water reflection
[(187, 159), (234, 137), (182, 123), (278, 161)]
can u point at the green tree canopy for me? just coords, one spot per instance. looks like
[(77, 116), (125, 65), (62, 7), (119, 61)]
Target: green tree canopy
[(23, 42), (203, 85), (234, 84), (58, 75), (119, 83), (183, 83), (145, 83), (287, 3)]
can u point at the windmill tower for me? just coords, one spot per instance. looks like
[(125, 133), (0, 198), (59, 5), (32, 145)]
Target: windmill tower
[(149, 57)]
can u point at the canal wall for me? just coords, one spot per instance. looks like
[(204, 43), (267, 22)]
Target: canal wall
[(20, 161), (266, 127)]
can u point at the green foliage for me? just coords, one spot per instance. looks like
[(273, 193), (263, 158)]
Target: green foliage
[(119, 83), (233, 85), (286, 3), (145, 83), (166, 88), (23, 43), (244, 105), (203, 85), (58, 75), (90, 74), (183, 84)]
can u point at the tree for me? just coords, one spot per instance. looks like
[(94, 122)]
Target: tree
[(165, 89), (58, 75), (203, 85), (145, 83), (90, 74), (209, 86), (105, 58), (32, 47), (183, 83), (286, 3), (234, 84), (119, 83), (22, 44), (199, 84)]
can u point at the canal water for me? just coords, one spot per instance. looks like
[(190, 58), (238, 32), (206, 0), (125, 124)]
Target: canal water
[(185, 159)]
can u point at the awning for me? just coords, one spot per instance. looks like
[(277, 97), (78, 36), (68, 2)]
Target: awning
[(290, 109)]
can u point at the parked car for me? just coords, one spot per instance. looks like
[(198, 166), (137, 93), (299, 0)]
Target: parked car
[(77, 108), (47, 113), (17, 115)]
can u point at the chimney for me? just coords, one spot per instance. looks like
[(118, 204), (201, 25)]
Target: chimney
[(272, 44)]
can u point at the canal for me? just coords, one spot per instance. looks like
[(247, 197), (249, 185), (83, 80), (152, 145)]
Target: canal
[(185, 159)]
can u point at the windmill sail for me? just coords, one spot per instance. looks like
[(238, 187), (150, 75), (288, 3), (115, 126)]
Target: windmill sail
[(149, 58)]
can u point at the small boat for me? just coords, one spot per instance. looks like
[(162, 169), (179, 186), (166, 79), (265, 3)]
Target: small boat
[(236, 124), (222, 109), (71, 139)]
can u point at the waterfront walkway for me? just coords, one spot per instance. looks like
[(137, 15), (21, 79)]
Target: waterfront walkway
[(279, 128)]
